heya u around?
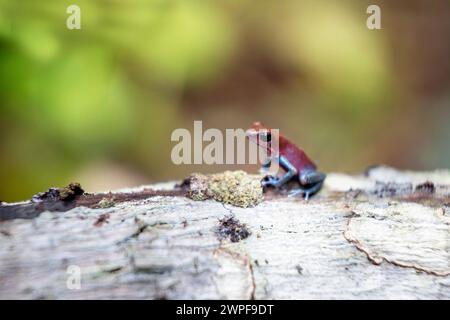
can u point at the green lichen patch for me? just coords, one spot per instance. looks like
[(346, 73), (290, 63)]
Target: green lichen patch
[(106, 202), (233, 187)]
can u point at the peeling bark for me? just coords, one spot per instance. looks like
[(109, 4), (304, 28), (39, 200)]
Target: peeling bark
[(384, 234)]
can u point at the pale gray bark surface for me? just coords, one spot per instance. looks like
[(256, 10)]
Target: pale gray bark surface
[(362, 237)]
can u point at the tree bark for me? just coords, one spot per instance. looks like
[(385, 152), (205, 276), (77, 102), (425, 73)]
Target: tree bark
[(384, 234)]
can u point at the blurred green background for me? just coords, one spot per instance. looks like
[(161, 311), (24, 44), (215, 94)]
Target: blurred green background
[(98, 105)]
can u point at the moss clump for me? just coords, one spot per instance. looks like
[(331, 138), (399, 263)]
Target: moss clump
[(69, 193), (233, 187)]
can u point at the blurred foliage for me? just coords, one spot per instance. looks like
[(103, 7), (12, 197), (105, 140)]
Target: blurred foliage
[(99, 104)]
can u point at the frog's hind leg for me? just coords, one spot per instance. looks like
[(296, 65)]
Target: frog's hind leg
[(310, 182), (307, 192), (308, 177)]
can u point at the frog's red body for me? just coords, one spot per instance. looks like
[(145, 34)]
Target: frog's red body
[(290, 157), (295, 155)]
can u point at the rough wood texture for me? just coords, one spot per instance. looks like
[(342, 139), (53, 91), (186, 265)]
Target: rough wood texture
[(385, 234)]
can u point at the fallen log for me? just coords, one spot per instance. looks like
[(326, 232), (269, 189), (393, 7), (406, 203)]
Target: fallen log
[(384, 234)]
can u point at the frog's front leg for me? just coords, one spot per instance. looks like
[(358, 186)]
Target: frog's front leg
[(277, 182), (265, 166)]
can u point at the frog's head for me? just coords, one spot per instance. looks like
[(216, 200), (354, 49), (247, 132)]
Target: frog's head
[(261, 135)]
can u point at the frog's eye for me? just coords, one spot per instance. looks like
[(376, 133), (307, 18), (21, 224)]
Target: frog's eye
[(265, 136)]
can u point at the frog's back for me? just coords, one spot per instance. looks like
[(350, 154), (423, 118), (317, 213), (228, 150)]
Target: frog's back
[(295, 155)]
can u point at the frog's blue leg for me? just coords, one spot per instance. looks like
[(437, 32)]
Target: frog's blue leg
[(310, 182), (277, 182), (265, 166), (307, 192)]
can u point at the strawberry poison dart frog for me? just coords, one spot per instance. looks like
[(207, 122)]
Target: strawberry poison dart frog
[(291, 158)]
